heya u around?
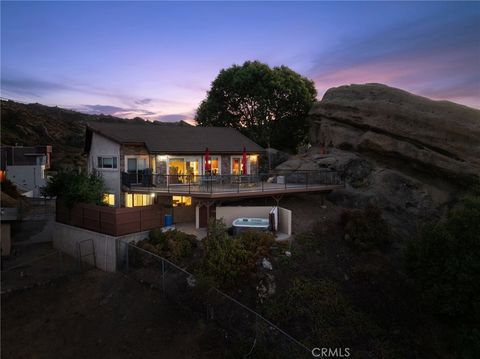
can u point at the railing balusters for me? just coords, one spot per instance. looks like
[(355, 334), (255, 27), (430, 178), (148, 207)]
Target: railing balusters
[(211, 183)]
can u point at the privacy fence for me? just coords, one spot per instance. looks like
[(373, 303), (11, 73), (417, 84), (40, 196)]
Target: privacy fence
[(109, 220), (247, 333)]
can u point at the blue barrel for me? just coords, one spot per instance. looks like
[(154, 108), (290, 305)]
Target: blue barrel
[(168, 220)]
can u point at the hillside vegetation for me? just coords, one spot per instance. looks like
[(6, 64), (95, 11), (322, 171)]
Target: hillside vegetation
[(36, 124)]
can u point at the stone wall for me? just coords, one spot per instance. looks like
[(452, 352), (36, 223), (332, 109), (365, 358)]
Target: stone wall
[(225, 165)]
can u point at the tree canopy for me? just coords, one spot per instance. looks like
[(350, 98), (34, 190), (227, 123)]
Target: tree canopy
[(269, 105), (73, 187)]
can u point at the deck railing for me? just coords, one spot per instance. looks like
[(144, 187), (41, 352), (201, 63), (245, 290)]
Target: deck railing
[(230, 183)]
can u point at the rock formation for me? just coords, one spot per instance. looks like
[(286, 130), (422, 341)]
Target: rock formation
[(438, 136), (408, 154)]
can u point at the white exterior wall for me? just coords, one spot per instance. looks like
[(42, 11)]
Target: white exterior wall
[(109, 250), (103, 147), (285, 220), (28, 177)]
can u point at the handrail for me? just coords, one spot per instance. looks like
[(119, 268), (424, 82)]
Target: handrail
[(215, 183)]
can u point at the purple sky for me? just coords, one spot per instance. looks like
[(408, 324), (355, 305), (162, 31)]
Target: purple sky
[(157, 59)]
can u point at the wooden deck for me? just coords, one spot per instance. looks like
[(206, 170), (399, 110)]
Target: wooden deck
[(250, 190)]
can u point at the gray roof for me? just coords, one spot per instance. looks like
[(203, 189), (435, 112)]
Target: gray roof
[(170, 138)]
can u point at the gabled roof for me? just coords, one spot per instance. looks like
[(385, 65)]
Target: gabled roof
[(171, 139)]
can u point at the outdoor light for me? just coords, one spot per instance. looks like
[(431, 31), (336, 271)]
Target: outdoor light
[(253, 158), (161, 158), (152, 195)]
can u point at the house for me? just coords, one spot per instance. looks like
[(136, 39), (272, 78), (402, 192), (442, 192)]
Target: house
[(188, 168), (26, 166)]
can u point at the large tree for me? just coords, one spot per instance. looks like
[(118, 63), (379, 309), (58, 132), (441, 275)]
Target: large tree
[(268, 105)]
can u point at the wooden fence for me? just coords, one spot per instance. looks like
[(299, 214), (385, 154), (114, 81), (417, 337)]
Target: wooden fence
[(109, 220)]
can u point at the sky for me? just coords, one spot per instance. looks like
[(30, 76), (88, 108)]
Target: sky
[(157, 60)]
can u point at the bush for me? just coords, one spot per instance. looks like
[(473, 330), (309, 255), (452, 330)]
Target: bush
[(9, 188), (76, 187), (229, 259), (319, 311), (365, 229), (445, 263), (258, 243), (170, 243)]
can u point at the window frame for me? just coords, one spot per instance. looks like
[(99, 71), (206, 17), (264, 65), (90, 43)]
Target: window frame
[(100, 163)]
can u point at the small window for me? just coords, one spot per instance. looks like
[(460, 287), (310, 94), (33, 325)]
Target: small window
[(178, 201), (138, 200), (107, 162), (109, 199)]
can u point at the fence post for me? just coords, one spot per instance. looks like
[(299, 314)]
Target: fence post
[(163, 276), (60, 263), (126, 258)]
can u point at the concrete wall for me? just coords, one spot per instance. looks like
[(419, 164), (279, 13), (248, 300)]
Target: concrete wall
[(104, 147), (28, 177), (285, 221), (108, 249)]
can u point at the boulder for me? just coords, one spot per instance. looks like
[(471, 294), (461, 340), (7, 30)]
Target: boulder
[(439, 137)]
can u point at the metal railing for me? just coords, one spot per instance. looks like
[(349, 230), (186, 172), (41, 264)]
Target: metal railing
[(248, 332), (263, 182)]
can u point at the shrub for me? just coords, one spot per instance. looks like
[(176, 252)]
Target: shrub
[(174, 242), (229, 259), (76, 187), (226, 260), (365, 229), (180, 244), (9, 188), (320, 307), (258, 243), (445, 263)]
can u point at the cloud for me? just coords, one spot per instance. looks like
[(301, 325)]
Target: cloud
[(116, 111), (30, 86), (173, 118), (144, 101), (436, 56)]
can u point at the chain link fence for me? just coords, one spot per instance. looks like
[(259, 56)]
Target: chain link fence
[(247, 333), (26, 273)]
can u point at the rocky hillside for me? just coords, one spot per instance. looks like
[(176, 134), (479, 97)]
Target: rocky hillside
[(410, 155), (35, 124)]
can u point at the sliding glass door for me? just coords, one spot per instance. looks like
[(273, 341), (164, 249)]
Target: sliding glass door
[(183, 170)]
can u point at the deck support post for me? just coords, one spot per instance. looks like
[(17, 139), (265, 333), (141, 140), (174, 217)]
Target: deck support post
[(277, 199)]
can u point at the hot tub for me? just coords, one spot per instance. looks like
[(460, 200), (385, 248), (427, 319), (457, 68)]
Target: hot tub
[(261, 224)]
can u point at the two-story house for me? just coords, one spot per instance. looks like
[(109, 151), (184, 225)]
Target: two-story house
[(133, 157), (188, 168)]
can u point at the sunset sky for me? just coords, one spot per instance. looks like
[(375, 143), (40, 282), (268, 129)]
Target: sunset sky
[(157, 59)]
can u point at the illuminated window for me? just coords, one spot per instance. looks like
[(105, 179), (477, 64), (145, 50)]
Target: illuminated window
[(183, 170), (178, 201), (138, 200), (109, 199), (214, 162)]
